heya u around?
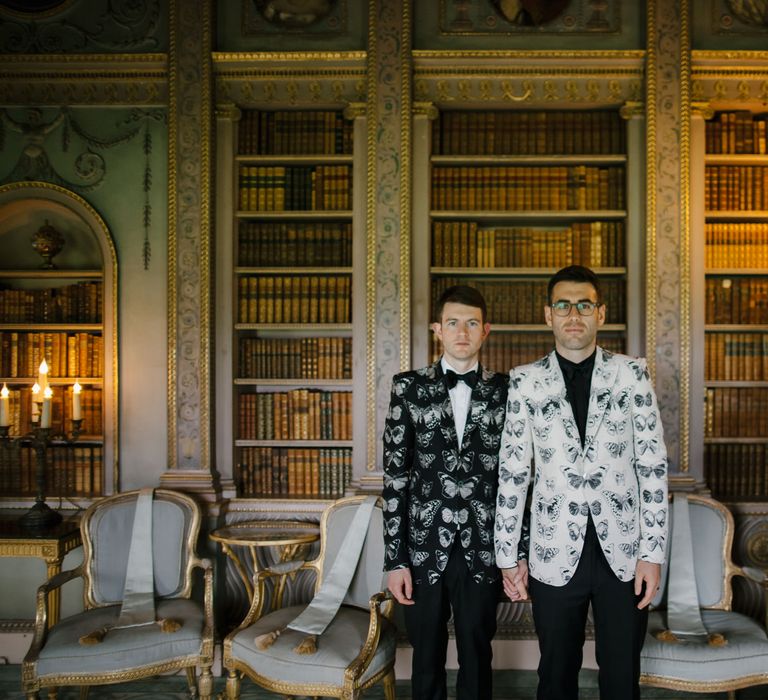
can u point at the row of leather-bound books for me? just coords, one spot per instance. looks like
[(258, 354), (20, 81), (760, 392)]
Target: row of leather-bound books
[(287, 132), (735, 187), (294, 299), (522, 301), (732, 300), (299, 414), (71, 470), (527, 188), (466, 244), (20, 410), (66, 354), (295, 358), (736, 412), (301, 244), (736, 132), (72, 303), (736, 356), (739, 245), (518, 132), (288, 471), (737, 471), (295, 188)]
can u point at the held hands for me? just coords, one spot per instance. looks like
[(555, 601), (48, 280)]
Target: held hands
[(400, 585), (516, 581), (649, 574)]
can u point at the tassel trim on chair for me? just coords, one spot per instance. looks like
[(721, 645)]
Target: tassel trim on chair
[(266, 640), (308, 645), (714, 639), (166, 624)]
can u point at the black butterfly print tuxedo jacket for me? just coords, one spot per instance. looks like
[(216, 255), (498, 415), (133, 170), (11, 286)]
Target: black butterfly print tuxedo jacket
[(437, 496)]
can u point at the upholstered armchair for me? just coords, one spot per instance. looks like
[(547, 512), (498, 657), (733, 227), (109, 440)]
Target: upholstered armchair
[(357, 649), (734, 652), (90, 647)]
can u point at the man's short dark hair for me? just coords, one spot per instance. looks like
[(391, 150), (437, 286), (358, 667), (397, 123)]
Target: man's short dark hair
[(460, 294), (575, 273)]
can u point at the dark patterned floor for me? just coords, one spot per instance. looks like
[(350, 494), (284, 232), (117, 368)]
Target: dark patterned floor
[(509, 685)]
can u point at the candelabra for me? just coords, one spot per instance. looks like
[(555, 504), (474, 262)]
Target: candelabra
[(40, 516)]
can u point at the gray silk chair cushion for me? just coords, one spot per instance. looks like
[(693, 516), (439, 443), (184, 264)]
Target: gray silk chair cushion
[(110, 533), (745, 654), (121, 649), (336, 648)]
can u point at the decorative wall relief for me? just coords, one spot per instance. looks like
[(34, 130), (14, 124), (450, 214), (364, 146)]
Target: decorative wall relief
[(529, 16), (81, 27), (740, 17), (327, 17), (82, 147)]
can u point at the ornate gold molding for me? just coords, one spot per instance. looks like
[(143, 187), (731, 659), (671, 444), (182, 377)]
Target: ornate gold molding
[(221, 58), (354, 110), (496, 55), (650, 188), (406, 139), (632, 108), (371, 103), (702, 109), (228, 111), (426, 109)]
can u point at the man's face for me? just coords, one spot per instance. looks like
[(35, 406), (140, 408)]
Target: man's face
[(461, 331), (575, 335)]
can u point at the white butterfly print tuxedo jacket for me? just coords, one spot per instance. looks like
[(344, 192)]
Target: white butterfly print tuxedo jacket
[(437, 496), (619, 476)]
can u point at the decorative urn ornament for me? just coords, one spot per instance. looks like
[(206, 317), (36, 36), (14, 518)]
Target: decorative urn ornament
[(47, 242)]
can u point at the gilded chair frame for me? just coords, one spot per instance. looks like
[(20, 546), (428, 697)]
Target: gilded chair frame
[(725, 603), (31, 683), (269, 587)]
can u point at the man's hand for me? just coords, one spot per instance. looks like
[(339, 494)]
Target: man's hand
[(516, 581), (400, 585), (647, 574)]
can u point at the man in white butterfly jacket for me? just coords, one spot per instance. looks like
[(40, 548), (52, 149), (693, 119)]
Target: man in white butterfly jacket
[(589, 422)]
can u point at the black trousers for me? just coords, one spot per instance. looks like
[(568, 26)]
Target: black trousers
[(474, 619), (560, 615)]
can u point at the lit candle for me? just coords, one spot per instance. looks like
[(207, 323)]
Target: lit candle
[(5, 415), (35, 402), (42, 377), (76, 389), (45, 418)]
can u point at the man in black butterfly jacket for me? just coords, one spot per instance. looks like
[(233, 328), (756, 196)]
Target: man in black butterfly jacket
[(441, 445)]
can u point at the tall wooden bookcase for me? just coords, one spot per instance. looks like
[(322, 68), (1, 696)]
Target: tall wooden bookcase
[(515, 195), (291, 256), (730, 183)]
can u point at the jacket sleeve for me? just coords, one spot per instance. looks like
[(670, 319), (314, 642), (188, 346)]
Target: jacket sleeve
[(514, 476), (650, 467), (399, 437)]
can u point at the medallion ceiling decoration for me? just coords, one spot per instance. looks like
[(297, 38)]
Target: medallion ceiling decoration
[(741, 16), (476, 17), (316, 17)]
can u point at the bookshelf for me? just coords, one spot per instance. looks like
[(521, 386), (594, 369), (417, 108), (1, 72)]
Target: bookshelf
[(60, 315), (293, 349), (735, 301), (515, 195)]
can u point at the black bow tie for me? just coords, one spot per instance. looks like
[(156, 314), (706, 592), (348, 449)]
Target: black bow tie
[(469, 378)]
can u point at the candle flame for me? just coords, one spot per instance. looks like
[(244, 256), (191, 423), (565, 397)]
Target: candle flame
[(48, 392), (43, 367), (76, 387), (4, 392)]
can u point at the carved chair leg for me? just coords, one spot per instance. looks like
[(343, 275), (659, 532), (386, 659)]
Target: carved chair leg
[(191, 681), (84, 692), (731, 695), (205, 683), (389, 685), (53, 693), (233, 685)]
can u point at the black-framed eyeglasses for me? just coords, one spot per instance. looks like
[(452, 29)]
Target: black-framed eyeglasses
[(563, 308)]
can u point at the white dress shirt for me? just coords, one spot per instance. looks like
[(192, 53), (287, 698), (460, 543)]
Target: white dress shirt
[(460, 397)]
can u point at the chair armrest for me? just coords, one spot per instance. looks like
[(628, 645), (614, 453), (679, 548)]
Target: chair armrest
[(377, 604), (41, 610), (759, 577), (207, 566)]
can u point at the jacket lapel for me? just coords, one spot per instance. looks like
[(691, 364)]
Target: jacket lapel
[(443, 399), (478, 404), (603, 378), (557, 388)]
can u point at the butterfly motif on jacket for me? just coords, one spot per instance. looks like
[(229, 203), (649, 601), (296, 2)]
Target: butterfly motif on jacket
[(620, 503), (451, 460), (424, 512), (546, 454), (483, 513), (392, 549), (424, 438), (490, 440), (516, 450), (432, 577), (641, 400), (647, 471), (486, 557), (465, 537), (572, 555), (593, 479), (457, 516), (571, 431), (445, 536), (431, 415), (401, 385), (506, 524), (485, 536), (542, 432), (608, 551), (393, 525), (395, 412), (418, 536), (398, 483), (391, 504), (426, 459), (515, 477), (639, 370), (489, 462), (395, 459), (573, 453), (616, 449), (426, 488), (506, 501), (602, 399), (550, 507), (578, 508), (452, 487), (546, 531), (616, 427), (630, 549), (417, 557), (626, 527), (642, 422), (545, 554), (547, 408), (517, 428), (654, 542), (441, 559), (655, 496), (622, 401), (394, 434), (602, 530), (514, 406), (596, 507), (651, 518), (576, 531), (506, 548)]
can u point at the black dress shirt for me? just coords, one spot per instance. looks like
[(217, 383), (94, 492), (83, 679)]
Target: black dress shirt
[(578, 381)]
